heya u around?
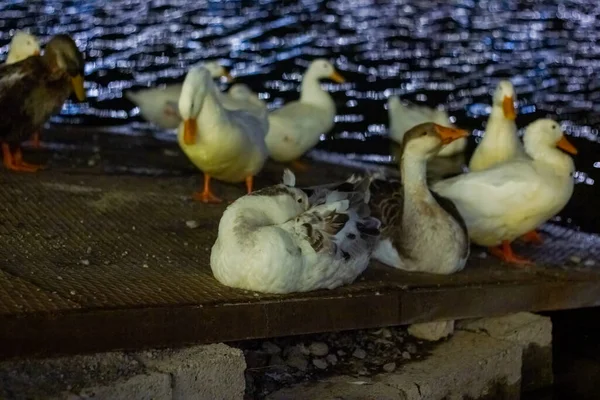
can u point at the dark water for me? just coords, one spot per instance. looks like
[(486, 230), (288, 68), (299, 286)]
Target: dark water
[(431, 52)]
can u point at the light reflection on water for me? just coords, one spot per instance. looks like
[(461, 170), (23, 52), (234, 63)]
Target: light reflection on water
[(431, 52)]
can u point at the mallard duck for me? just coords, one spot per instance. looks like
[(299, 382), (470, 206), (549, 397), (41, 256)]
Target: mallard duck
[(283, 239), (404, 117), (421, 230), (22, 45), (500, 141), (296, 127), (225, 144), (159, 105), (34, 89), (504, 202)]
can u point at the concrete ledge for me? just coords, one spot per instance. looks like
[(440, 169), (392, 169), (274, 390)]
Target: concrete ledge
[(533, 333), (468, 365), (201, 372)]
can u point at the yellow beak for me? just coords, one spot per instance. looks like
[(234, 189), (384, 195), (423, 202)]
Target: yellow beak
[(565, 145), (336, 77), (449, 134), (190, 130), (508, 106), (77, 83)]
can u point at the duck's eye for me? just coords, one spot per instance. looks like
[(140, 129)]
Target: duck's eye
[(300, 200), (554, 126)]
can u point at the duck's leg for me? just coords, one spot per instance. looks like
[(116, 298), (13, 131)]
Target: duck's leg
[(249, 184), (35, 140), (16, 163), (206, 196), (299, 166), (505, 253), (532, 237)]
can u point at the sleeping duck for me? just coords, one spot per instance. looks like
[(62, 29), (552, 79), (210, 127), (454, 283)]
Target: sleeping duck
[(500, 141), (225, 144), (159, 105), (404, 117), (296, 127), (506, 201), (34, 89), (283, 239), (22, 45), (421, 230)]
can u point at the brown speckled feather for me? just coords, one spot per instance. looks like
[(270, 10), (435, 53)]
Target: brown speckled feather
[(29, 95)]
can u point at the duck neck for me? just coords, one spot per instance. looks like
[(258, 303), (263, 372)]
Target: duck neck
[(561, 163), (414, 177), (311, 92), (212, 111)]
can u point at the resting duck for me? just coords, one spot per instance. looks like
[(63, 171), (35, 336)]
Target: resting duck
[(159, 105), (283, 239), (421, 230), (296, 127), (34, 89), (505, 201), (22, 45), (500, 141), (225, 144), (404, 117)]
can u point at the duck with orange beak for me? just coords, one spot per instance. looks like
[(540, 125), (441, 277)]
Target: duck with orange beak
[(223, 143), (297, 127), (506, 201), (33, 90), (500, 141), (421, 230)]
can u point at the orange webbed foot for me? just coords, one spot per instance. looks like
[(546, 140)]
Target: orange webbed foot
[(532, 237), (505, 253), (207, 197), (15, 162)]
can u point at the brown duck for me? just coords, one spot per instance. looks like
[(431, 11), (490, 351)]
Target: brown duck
[(421, 231), (34, 89)]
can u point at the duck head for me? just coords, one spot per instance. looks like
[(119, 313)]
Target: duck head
[(217, 70), (425, 140), (22, 45), (323, 69), (62, 54), (240, 91), (546, 133), (196, 85), (504, 97)]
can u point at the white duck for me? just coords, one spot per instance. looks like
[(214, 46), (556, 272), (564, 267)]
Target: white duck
[(421, 231), (22, 45), (228, 145), (507, 200), (500, 141), (240, 96), (159, 105), (283, 239), (296, 127), (404, 117)]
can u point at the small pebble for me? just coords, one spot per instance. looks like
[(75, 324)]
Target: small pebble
[(341, 353), (271, 348), (389, 367), (276, 360), (589, 263), (406, 355), (575, 259), (359, 353), (386, 333), (297, 361), (85, 262), (320, 363), (332, 359), (412, 348), (318, 349), (192, 224), (145, 266), (73, 292)]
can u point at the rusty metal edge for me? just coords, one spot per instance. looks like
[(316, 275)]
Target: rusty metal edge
[(86, 331)]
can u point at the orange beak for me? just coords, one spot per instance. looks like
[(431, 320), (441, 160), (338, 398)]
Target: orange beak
[(36, 53), (336, 77), (565, 145), (508, 106), (190, 130), (77, 83), (449, 134)]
